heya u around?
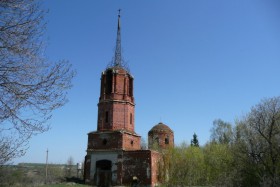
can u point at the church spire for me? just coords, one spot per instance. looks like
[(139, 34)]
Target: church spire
[(117, 61), (118, 51)]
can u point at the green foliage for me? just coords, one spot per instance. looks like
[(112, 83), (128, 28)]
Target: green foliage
[(11, 176), (221, 132), (219, 164), (65, 185), (70, 166), (155, 147), (32, 175), (247, 154), (258, 140), (183, 165), (194, 141)]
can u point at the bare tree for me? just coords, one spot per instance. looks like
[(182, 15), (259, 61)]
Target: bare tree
[(69, 167), (259, 139), (144, 144), (221, 132), (30, 87)]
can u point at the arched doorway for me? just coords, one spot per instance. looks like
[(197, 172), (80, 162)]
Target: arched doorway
[(103, 173)]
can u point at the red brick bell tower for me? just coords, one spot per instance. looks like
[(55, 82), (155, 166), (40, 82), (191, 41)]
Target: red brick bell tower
[(114, 155), (115, 123), (116, 101)]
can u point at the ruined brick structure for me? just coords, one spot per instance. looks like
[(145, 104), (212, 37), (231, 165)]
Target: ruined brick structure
[(160, 136), (114, 155)]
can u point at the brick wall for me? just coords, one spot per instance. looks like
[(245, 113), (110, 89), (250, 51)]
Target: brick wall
[(104, 140), (87, 169), (156, 157), (119, 86), (114, 140), (131, 142), (116, 106), (143, 164), (163, 139)]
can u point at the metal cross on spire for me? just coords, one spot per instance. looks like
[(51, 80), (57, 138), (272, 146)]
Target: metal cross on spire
[(119, 12)]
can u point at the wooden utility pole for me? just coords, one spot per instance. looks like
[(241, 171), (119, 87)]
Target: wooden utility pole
[(46, 180)]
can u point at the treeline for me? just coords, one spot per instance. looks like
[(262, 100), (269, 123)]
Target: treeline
[(244, 154)]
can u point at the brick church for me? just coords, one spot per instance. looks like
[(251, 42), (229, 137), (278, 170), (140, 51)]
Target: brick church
[(114, 154)]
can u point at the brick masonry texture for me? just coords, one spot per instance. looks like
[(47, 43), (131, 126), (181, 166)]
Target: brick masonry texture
[(114, 154), (113, 140)]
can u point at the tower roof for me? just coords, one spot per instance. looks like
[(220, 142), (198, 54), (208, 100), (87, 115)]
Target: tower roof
[(160, 127), (117, 61)]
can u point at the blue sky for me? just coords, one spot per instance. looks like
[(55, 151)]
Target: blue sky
[(193, 61)]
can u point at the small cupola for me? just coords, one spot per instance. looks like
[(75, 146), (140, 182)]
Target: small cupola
[(160, 137)]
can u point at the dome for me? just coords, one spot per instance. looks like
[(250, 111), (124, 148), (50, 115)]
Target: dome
[(160, 127), (160, 137)]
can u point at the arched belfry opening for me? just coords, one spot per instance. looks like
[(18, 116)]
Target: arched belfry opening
[(103, 173), (109, 78)]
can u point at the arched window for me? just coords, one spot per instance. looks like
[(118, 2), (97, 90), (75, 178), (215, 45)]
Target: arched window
[(104, 141), (167, 140), (106, 117)]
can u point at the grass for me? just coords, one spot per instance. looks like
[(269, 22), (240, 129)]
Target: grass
[(65, 185)]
